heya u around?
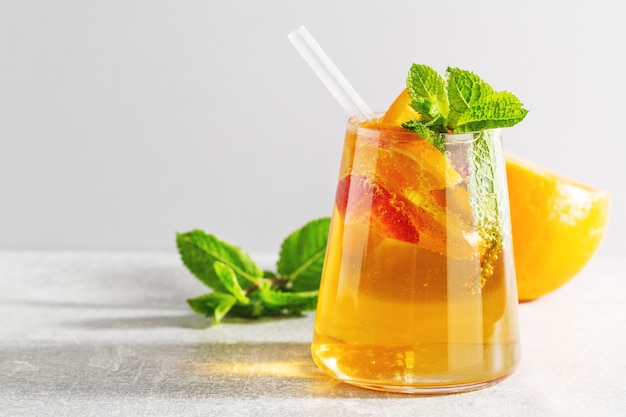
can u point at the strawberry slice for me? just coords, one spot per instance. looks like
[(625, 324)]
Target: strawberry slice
[(361, 199)]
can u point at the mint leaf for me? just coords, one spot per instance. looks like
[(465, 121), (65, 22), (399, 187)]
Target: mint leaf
[(228, 278), (465, 89), (199, 251), (302, 253), (481, 179), (291, 302), (427, 92), (215, 305), (423, 130), (484, 167), (269, 274), (501, 109)]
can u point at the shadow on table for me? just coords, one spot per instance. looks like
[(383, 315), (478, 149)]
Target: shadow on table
[(185, 321), (212, 370)]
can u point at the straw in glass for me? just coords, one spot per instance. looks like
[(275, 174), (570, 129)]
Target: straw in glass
[(329, 74)]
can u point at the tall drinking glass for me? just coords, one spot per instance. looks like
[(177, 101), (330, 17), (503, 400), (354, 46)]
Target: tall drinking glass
[(418, 290)]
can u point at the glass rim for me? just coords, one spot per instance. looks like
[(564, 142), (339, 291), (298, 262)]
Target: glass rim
[(356, 124)]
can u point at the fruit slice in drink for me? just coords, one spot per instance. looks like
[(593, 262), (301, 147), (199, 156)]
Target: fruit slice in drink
[(407, 189)]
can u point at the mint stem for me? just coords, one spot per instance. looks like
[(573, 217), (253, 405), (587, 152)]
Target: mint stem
[(279, 281)]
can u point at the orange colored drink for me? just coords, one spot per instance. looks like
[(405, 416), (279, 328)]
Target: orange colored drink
[(418, 288)]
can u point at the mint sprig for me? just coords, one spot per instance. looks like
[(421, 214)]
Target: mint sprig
[(463, 102), (240, 288)]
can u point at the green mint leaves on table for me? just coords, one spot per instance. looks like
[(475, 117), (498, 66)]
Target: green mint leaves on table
[(241, 289)]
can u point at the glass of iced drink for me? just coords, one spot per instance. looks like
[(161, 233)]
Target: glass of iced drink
[(418, 290)]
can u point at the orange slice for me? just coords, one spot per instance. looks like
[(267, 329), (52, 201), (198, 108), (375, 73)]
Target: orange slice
[(557, 223), (400, 111)]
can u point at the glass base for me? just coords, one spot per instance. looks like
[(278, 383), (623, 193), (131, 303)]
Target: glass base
[(427, 389), (425, 369)]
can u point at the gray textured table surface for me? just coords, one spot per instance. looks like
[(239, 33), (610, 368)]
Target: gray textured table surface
[(109, 334)]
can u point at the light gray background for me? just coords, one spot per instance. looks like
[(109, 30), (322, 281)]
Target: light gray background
[(122, 122)]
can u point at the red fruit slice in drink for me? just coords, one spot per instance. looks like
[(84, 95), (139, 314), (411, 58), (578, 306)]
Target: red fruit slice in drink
[(361, 199)]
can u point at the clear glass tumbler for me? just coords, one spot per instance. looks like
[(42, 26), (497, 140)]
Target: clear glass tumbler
[(418, 291)]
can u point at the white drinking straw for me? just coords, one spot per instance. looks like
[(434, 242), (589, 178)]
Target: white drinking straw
[(330, 75)]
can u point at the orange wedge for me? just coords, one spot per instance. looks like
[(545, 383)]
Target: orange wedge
[(400, 111), (557, 224)]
